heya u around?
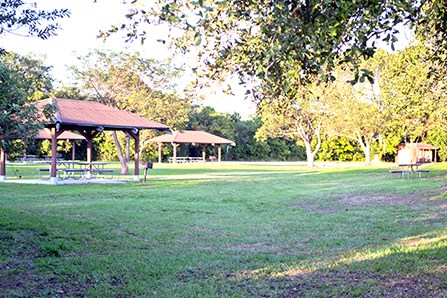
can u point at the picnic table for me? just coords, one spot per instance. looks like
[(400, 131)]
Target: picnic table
[(70, 168), (96, 167), (185, 159), (410, 169)]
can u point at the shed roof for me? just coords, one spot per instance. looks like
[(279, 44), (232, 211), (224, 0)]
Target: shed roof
[(66, 135), (71, 113), (191, 136), (421, 146)]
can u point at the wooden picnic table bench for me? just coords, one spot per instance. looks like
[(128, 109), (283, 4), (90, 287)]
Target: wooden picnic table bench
[(185, 159), (409, 169)]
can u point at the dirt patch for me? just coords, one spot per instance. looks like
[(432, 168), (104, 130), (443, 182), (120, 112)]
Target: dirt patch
[(266, 248), (312, 208), (210, 231), (434, 197), (380, 200)]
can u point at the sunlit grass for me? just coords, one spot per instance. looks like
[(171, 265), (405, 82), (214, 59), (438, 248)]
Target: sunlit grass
[(228, 230)]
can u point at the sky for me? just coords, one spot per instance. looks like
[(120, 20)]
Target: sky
[(78, 37)]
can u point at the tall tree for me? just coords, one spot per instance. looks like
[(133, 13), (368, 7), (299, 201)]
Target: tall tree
[(409, 92), (19, 119), (301, 118), (132, 83), (34, 77), (356, 112)]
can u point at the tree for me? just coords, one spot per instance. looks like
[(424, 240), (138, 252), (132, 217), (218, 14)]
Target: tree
[(20, 17), (23, 80), (255, 39), (356, 112), (130, 82), (19, 118), (302, 118), (409, 92), (33, 75)]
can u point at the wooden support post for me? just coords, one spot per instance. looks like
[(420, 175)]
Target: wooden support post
[(2, 165), (89, 156), (53, 170), (73, 150), (219, 153), (89, 135), (174, 153), (203, 152), (159, 152), (135, 134)]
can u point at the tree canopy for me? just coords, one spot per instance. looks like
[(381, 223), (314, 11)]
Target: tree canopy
[(19, 118), (255, 38), (23, 18)]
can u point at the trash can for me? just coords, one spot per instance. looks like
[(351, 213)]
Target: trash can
[(147, 166)]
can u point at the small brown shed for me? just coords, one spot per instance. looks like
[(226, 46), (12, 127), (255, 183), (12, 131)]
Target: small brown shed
[(416, 153)]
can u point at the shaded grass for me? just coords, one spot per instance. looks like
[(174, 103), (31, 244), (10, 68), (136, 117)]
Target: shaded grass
[(233, 230)]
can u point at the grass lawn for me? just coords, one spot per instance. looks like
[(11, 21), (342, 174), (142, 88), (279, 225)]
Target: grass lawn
[(229, 231)]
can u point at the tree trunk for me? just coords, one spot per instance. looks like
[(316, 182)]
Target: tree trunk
[(310, 155), (368, 153), (124, 163), (307, 137), (366, 147)]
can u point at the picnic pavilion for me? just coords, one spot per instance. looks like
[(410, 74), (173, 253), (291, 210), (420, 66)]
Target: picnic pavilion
[(200, 138), (89, 118)]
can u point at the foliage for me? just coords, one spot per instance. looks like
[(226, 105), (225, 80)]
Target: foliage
[(301, 118), (409, 93), (132, 83), (20, 17), (356, 112), (68, 92), (254, 38), (33, 75), (437, 137), (339, 149), (19, 119)]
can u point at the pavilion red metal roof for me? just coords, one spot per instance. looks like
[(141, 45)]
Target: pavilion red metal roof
[(191, 136), (71, 113)]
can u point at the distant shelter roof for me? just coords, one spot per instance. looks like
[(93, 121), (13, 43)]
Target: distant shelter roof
[(421, 146), (72, 113), (45, 134), (191, 137)]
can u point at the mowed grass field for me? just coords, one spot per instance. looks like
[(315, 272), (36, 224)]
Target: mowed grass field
[(235, 230)]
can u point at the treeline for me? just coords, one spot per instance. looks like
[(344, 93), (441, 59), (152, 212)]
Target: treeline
[(404, 101)]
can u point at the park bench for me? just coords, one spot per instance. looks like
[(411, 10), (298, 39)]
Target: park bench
[(401, 172), (47, 170), (103, 171), (419, 172), (72, 172)]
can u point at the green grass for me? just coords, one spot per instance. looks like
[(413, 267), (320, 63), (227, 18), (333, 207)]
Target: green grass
[(228, 231)]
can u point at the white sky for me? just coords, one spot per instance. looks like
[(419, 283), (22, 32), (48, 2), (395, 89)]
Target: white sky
[(78, 36)]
